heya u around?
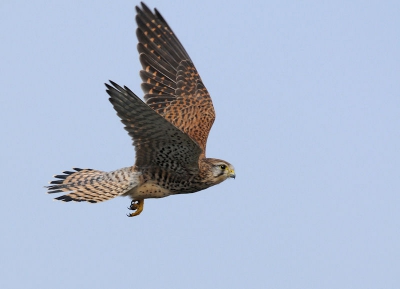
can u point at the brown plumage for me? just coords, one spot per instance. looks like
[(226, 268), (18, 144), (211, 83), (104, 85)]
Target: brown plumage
[(169, 130)]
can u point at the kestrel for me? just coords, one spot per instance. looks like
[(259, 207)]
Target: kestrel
[(169, 130)]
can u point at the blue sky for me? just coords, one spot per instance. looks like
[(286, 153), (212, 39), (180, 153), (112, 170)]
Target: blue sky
[(307, 98)]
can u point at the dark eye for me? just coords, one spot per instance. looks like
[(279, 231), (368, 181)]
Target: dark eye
[(223, 167)]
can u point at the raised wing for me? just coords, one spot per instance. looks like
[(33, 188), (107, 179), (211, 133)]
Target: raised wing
[(158, 143), (171, 83)]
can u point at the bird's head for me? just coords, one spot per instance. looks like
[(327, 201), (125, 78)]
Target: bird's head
[(221, 170)]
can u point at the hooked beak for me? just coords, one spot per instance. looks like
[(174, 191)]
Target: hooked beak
[(232, 174)]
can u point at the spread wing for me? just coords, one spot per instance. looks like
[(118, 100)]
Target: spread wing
[(158, 143), (171, 84)]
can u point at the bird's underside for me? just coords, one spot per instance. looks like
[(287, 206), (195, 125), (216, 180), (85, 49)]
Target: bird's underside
[(169, 130)]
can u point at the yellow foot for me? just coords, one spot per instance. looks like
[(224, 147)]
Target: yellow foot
[(137, 206)]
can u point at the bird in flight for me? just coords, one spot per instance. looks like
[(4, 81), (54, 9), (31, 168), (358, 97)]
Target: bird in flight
[(169, 130)]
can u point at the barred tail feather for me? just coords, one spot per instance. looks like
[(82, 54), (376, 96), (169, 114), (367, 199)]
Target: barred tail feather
[(87, 185)]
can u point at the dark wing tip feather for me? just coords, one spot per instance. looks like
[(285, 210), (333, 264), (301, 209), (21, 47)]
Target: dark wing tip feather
[(158, 15), (64, 198), (61, 176), (145, 8), (116, 86), (118, 91), (54, 191), (67, 198), (128, 90), (53, 188), (108, 86)]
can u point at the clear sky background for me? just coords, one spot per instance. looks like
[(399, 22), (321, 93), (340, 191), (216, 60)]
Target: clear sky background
[(307, 95)]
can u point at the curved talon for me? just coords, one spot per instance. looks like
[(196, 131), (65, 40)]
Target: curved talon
[(138, 206)]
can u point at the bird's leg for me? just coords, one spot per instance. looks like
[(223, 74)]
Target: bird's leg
[(136, 206)]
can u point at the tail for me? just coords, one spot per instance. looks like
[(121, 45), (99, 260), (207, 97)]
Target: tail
[(87, 185)]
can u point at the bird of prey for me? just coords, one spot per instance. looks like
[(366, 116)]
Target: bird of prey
[(169, 130)]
